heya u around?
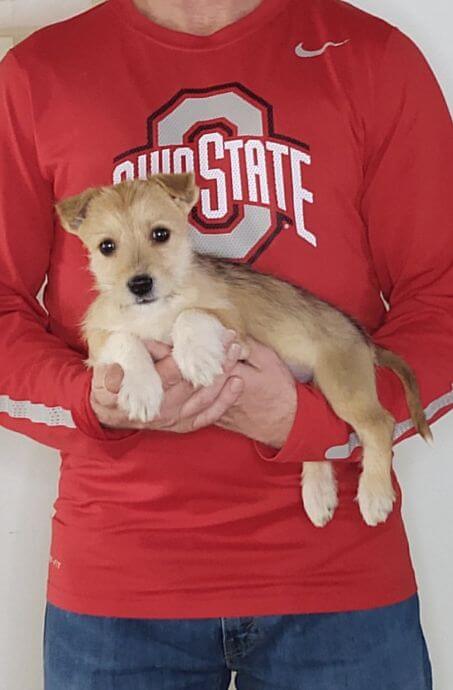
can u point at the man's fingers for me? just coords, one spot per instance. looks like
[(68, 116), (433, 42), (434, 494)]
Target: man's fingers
[(107, 376), (99, 372), (113, 378), (157, 350), (202, 398), (227, 397), (106, 384), (168, 372), (114, 418), (104, 398), (229, 336), (232, 356), (256, 354)]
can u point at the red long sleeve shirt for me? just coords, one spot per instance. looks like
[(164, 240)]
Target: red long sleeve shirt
[(328, 165)]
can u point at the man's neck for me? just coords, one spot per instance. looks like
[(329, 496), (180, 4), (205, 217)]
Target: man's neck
[(198, 17)]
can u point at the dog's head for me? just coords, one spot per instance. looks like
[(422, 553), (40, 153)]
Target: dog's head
[(136, 235)]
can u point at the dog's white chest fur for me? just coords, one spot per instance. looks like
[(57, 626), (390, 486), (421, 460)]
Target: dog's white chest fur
[(153, 321)]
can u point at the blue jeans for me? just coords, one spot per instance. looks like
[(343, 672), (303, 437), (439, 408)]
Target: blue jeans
[(379, 649)]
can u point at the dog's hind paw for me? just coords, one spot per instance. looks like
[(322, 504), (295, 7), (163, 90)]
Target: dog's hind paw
[(376, 498), (319, 493)]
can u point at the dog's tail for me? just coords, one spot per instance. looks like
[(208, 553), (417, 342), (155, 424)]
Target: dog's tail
[(406, 375)]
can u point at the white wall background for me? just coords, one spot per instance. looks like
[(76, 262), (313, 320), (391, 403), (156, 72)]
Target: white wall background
[(29, 472)]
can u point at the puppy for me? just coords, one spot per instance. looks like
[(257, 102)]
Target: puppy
[(152, 285)]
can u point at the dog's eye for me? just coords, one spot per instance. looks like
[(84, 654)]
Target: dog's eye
[(160, 234), (107, 247)]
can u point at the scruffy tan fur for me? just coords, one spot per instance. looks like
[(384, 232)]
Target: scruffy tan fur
[(195, 297)]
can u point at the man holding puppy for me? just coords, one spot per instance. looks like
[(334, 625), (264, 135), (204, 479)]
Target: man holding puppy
[(323, 149)]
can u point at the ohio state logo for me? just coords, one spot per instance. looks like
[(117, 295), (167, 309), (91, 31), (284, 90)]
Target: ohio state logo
[(251, 178)]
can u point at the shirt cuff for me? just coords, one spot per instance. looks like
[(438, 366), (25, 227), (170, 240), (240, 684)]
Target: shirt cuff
[(316, 428)]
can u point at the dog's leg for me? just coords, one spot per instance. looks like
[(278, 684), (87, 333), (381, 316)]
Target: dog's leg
[(198, 346), (376, 495), (319, 492), (347, 379), (141, 391)]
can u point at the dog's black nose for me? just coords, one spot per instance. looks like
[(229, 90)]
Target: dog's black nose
[(140, 285)]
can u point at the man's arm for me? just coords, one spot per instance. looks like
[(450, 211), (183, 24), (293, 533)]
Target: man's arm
[(46, 391), (407, 207), (44, 385)]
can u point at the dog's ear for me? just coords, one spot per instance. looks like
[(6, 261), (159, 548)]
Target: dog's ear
[(181, 187), (73, 211)]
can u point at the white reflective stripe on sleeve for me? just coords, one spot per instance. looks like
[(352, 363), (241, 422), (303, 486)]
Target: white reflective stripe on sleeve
[(343, 452), (36, 412)]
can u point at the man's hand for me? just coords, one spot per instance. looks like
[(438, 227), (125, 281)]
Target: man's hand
[(183, 409), (266, 408)]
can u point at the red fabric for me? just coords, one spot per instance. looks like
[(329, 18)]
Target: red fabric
[(341, 165)]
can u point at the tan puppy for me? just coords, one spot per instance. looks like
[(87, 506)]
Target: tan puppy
[(153, 286)]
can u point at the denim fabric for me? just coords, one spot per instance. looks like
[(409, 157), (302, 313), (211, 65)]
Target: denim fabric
[(377, 649)]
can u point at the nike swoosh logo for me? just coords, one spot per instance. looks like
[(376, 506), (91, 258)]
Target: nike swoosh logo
[(302, 53)]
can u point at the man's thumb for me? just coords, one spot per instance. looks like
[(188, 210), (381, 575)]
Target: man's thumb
[(113, 378)]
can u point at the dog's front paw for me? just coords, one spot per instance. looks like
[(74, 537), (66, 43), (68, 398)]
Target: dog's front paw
[(200, 365), (198, 348), (140, 397), (375, 497), (319, 494)]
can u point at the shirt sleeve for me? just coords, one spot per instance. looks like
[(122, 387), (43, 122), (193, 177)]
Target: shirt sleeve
[(407, 207), (44, 385)]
